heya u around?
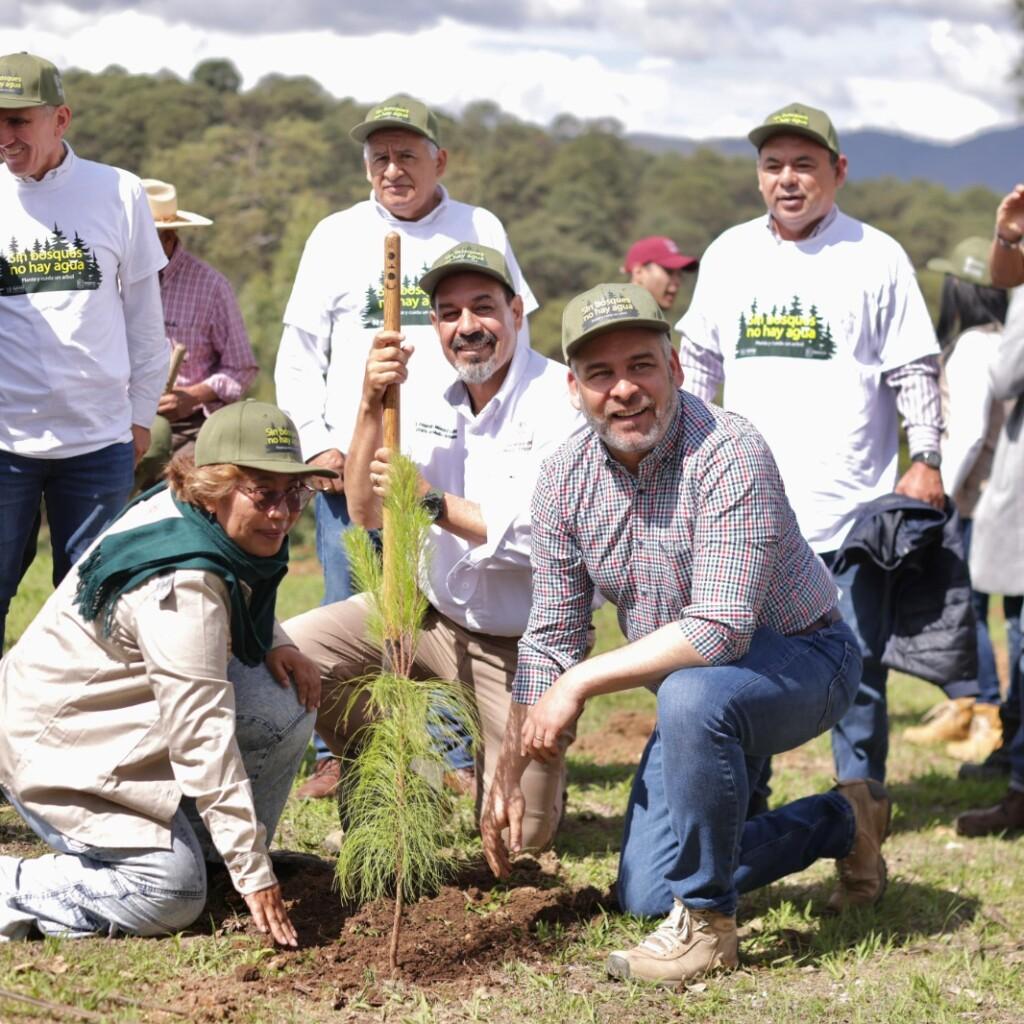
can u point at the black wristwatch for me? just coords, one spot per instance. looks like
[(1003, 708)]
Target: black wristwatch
[(433, 503), (932, 459)]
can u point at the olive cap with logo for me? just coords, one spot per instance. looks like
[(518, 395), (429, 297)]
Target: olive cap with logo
[(608, 307), (29, 81), (255, 435), (968, 261), (398, 111), (798, 119), (467, 256)]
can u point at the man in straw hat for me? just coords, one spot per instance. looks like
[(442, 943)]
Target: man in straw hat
[(82, 349), (336, 308), (810, 303), (675, 511), (201, 313), (478, 444)]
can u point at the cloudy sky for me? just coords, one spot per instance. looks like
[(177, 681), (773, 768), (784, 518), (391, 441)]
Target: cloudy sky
[(933, 68)]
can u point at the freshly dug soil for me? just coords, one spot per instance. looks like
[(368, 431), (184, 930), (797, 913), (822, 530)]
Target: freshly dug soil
[(451, 939), (620, 741)]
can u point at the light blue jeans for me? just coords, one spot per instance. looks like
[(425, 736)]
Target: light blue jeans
[(686, 833), (85, 890)]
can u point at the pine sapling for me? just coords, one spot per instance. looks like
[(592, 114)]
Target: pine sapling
[(396, 812)]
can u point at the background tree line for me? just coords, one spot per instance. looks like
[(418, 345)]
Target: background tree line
[(267, 163)]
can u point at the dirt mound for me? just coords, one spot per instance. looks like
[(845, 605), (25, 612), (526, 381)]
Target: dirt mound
[(621, 740), (452, 938)]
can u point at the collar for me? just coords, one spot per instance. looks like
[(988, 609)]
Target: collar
[(457, 395), (63, 168), (652, 462), (437, 212), (178, 259), (823, 225)]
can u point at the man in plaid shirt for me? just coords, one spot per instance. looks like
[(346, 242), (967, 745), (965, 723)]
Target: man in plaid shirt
[(675, 511), (201, 313)]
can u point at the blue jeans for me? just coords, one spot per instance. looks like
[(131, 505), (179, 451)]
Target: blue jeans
[(85, 890), (1016, 698), (82, 495), (860, 741), (686, 834)]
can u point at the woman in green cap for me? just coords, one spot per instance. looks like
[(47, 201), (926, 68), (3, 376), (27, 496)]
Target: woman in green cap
[(154, 712)]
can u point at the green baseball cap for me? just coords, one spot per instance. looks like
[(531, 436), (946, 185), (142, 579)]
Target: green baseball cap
[(398, 111), (28, 81), (968, 261), (798, 119), (480, 259), (256, 435), (607, 307)]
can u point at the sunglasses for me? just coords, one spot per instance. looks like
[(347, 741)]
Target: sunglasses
[(266, 500)]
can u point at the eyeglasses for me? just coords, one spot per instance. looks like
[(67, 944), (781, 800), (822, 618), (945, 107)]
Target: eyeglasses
[(266, 500)]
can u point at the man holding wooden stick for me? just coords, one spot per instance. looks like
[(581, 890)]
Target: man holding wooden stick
[(335, 310), (478, 444)]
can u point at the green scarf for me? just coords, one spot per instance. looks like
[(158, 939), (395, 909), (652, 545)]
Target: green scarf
[(121, 561)]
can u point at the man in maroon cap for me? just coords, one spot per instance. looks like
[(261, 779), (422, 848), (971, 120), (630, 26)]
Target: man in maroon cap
[(655, 263)]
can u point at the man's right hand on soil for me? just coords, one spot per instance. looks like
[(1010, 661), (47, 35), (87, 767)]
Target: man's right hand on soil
[(505, 808)]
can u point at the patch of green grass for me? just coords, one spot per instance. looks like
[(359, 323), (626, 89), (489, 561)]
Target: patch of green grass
[(942, 948)]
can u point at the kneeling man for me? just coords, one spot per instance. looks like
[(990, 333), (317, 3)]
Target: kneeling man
[(478, 445), (674, 510)]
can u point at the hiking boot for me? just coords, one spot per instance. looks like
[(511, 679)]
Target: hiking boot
[(1005, 816), (995, 766), (333, 840), (944, 723), (984, 736), (862, 873), (688, 944), (323, 782), (461, 781)]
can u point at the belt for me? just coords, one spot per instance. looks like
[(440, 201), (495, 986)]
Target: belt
[(830, 618)]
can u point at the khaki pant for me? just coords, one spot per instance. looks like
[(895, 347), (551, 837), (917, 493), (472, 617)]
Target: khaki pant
[(335, 637)]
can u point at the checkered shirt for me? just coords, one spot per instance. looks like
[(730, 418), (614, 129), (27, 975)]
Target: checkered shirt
[(201, 313), (703, 536)]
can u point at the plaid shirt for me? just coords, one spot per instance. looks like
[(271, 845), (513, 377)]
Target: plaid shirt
[(201, 313), (703, 535)]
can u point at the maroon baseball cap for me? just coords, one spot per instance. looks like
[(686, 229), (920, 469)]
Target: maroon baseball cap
[(660, 250)]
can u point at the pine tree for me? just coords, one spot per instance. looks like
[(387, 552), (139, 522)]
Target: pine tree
[(395, 810)]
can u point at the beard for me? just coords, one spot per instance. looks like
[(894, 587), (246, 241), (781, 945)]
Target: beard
[(604, 427), (484, 369)]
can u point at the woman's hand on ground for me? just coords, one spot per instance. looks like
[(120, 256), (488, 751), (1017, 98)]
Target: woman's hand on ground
[(269, 915)]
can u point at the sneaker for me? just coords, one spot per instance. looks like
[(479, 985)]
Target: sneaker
[(862, 872), (323, 782), (688, 944), (944, 723), (984, 736), (995, 766), (1005, 816)]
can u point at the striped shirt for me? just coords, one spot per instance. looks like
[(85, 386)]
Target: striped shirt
[(703, 536), (201, 313)]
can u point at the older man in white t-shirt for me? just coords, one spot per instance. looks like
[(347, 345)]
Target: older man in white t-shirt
[(816, 325), (82, 350), (478, 443)]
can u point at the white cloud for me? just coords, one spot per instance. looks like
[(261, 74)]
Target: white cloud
[(655, 66)]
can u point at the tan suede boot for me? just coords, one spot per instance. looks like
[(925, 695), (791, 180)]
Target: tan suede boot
[(984, 736), (944, 723), (862, 872), (688, 944)]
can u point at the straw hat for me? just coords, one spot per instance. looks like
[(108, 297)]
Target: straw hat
[(163, 204)]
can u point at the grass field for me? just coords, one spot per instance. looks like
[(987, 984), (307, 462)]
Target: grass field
[(945, 945)]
